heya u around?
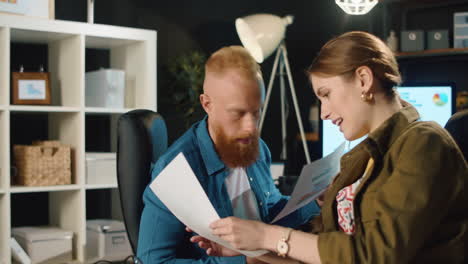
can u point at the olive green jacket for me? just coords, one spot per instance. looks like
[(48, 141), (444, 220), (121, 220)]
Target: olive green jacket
[(411, 207)]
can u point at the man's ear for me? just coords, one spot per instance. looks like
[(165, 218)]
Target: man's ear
[(365, 77), (205, 102)]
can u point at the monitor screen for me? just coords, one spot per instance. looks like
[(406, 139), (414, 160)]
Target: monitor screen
[(434, 102)]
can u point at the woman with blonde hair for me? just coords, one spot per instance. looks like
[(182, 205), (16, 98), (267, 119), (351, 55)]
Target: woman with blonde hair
[(399, 197)]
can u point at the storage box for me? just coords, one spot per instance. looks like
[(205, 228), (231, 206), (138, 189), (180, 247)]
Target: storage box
[(45, 244), (460, 30), (105, 88), (437, 39), (107, 239), (101, 168), (460, 18), (44, 163), (412, 40)]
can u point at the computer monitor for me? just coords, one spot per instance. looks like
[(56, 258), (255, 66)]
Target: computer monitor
[(434, 102)]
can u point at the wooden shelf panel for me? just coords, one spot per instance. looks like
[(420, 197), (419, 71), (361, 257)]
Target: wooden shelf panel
[(56, 29), (101, 186), (39, 108), (57, 188), (103, 110), (38, 37), (432, 53), (106, 43)]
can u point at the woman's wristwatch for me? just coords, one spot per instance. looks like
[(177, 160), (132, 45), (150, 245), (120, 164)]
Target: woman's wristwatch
[(282, 246)]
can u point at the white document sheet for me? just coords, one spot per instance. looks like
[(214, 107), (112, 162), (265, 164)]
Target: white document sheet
[(178, 188), (313, 181)]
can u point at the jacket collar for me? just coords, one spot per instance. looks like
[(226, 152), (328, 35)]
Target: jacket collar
[(380, 140), (354, 163), (377, 143)]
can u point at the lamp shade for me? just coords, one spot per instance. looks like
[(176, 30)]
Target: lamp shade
[(261, 34)]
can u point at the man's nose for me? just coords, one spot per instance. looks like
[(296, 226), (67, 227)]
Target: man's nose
[(250, 124)]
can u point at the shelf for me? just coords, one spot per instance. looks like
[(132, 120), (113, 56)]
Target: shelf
[(38, 37), (50, 30), (58, 188), (432, 53), (36, 108), (67, 118), (103, 110), (101, 186), (106, 43)]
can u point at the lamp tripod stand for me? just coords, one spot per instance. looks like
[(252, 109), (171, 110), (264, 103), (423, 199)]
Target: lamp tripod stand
[(282, 59)]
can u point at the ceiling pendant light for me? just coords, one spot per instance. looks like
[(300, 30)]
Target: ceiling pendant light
[(356, 7)]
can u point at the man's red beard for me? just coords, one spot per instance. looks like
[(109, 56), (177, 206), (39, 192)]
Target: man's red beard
[(234, 153)]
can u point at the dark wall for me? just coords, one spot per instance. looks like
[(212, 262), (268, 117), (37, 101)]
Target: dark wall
[(209, 24)]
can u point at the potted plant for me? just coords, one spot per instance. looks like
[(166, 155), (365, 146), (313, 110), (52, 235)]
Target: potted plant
[(185, 75)]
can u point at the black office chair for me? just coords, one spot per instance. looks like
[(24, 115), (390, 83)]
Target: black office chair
[(142, 138), (457, 126)]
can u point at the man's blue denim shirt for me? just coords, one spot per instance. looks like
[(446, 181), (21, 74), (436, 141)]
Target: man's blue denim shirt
[(162, 237)]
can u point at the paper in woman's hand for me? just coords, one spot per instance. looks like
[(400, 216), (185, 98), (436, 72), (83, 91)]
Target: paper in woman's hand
[(313, 181)]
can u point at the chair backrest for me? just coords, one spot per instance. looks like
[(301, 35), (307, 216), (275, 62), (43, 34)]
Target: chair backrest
[(457, 126), (142, 138)]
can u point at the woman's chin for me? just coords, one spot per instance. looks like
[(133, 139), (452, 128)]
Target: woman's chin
[(349, 137)]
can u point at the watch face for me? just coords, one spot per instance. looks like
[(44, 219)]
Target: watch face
[(282, 247)]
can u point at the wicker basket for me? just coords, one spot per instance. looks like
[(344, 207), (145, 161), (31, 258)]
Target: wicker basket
[(42, 164)]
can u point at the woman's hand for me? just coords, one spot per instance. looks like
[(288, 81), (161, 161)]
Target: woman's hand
[(212, 248), (241, 234)]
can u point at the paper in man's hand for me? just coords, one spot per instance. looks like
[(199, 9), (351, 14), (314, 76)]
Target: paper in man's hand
[(180, 191)]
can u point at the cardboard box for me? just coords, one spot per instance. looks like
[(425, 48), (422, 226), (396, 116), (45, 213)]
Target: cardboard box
[(101, 168), (105, 88), (45, 244), (107, 239), (437, 39), (412, 40)]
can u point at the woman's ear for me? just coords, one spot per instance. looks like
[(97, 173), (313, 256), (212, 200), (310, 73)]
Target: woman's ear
[(365, 77), (205, 102)]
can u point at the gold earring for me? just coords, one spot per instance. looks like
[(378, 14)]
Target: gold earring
[(367, 97)]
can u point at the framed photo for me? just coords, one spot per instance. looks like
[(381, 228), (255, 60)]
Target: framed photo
[(31, 88), (13, 6), (33, 8)]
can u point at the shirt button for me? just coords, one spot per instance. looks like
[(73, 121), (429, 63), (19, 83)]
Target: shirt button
[(251, 179), (268, 193), (261, 204)]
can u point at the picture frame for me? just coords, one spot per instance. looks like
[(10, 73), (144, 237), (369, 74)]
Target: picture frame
[(30, 88), (32, 8), (13, 7)]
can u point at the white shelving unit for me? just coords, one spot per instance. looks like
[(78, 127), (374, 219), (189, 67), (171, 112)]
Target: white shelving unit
[(131, 50)]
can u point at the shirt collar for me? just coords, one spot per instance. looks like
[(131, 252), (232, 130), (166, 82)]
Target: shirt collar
[(209, 155)]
